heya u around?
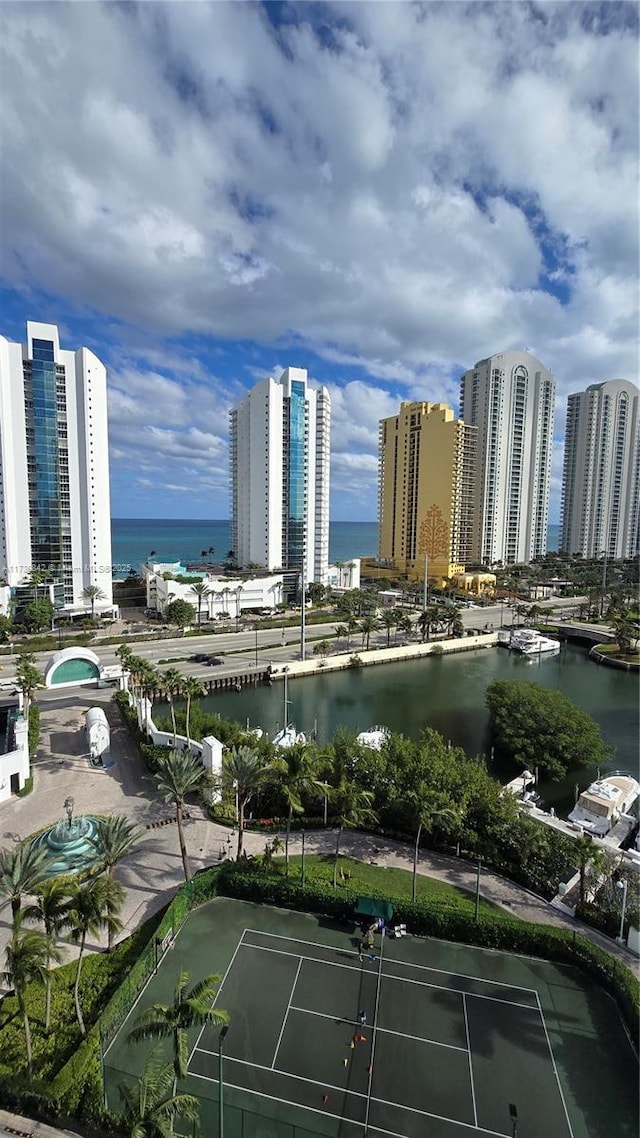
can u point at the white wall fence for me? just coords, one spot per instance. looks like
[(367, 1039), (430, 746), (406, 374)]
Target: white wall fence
[(15, 762), (209, 750)]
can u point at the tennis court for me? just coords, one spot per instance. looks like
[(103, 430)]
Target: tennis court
[(452, 1040)]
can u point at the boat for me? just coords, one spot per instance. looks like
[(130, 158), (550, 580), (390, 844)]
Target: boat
[(288, 736), (605, 803), (374, 737), (531, 642)]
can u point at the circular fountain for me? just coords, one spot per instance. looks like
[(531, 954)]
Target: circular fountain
[(69, 843)]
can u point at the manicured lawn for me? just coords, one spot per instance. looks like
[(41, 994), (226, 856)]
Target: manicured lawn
[(389, 882)]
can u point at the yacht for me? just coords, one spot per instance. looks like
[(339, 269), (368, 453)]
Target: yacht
[(531, 642), (604, 803), (288, 736), (374, 737)]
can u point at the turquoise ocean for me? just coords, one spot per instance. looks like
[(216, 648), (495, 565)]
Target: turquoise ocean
[(177, 539)]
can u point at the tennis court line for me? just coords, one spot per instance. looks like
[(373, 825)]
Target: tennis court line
[(342, 1091), (286, 1013), (466, 1031), (384, 1030), (402, 963), (276, 1071), (399, 979), (227, 971), (555, 1069)]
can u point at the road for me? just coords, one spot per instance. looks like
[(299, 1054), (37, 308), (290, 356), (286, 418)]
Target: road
[(262, 646)]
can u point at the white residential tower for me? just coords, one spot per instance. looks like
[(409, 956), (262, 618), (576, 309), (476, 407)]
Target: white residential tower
[(509, 397), (54, 468), (601, 480), (280, 477)]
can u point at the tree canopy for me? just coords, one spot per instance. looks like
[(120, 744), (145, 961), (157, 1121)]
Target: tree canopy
[(534, 726)]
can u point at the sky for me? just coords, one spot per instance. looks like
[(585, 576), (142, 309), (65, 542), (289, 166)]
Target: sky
[(382, 193)]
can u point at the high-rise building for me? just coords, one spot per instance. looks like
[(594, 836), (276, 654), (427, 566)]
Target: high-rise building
[(425, 507), (280, 477), (509, 397), (601, 480), (55, 513)]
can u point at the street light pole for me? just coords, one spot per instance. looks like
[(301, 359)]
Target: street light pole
[(425, 593), (622, 885), (221, 1039)]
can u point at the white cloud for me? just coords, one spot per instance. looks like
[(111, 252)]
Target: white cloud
[(403, 192)]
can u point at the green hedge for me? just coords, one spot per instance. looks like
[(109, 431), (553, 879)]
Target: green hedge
[(247, 882), (34, 728)]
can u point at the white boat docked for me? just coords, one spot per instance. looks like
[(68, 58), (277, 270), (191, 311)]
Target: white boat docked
[(374, 737), (606, 802), (531, 643), (288, 736)]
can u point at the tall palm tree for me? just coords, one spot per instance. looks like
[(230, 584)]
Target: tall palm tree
[(589, 856), (245, 770), (89, 912), (172, 682), (296, 773), (389, 620), (151, 1107), (27, 958), (202, 591), (93, 593), (353, 809), (238, 593), (29, 680), (51, 908), (188, 1009), (178, 774), (425, 806), (193, 689), (368, 624), (22, 870)]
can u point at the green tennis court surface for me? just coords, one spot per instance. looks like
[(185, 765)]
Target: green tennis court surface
[(453, 1036)]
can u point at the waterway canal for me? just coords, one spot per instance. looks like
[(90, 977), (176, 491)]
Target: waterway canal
[(448, 693)]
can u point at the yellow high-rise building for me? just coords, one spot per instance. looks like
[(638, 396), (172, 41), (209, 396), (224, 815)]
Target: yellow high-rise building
[(425, 508)]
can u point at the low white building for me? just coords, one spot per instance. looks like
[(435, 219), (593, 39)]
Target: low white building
[(344, 575), (223, 596), (14, 763)]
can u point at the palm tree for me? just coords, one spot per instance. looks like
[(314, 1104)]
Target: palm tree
[(93, 593), (22, 870), (51, 908), (114, 838), (589, 855), (405, 625), (353, 809), (200, 590), (296, 775), (92, 908), (427, 618), (27, 958), (29, 680), (172, 682), (189, 1009), (426, 807), (244, 769), (237, 593), (368, 624), (151, 1107), (389, 620), (178, 774), (193, 689), (342, 633)]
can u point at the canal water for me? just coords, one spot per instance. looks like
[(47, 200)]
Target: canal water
[(448, 693)]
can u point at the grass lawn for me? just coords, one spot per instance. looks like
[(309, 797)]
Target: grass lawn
[(389, 882)]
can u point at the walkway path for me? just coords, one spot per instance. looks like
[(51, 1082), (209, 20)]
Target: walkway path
[(153, 869)]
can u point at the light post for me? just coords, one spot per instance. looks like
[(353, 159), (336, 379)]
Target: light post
[(622, 885), (221, 1039), (513, 1115)]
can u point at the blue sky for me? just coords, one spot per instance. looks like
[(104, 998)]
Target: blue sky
[(382, 193)]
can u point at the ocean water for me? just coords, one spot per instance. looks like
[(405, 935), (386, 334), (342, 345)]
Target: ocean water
[(177, 539)]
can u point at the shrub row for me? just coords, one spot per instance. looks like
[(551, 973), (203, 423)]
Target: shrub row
[(248, 882)]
